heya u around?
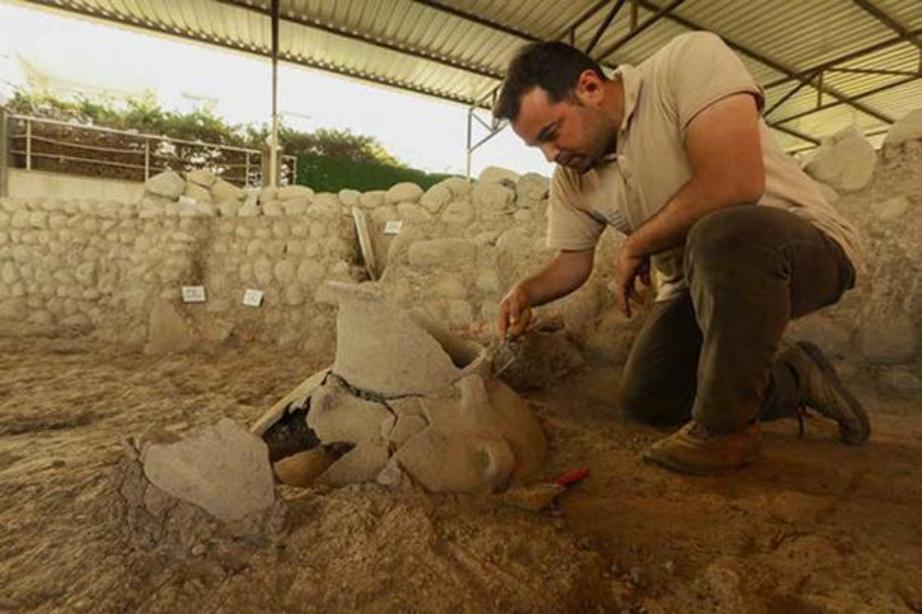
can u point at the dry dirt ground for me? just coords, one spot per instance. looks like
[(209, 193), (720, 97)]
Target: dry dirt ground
[(813, 526)]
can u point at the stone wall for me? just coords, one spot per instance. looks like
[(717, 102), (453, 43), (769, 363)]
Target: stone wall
[(876, 329), (288, 257), (117, 269), (60, 261), (463, 245)]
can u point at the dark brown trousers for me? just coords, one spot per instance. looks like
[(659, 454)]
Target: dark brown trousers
[(711, 353)]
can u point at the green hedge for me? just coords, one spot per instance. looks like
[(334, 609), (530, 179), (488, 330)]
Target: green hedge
[(145, 114), (327, 174)]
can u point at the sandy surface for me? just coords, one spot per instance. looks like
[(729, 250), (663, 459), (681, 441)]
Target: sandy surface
[(813, 526)]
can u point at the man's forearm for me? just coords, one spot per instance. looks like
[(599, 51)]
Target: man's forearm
[(559, 277), (668, 228)]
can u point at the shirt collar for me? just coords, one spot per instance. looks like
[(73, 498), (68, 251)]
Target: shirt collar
[(632, 80)]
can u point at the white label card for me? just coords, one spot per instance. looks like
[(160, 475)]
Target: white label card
[(193, 294), (253, 298), (393, 227)]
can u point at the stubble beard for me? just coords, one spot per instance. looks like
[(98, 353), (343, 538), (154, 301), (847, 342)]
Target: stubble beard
[(608, 144)]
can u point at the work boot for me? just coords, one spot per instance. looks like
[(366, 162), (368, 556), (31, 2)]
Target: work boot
[(821, 389), (696, 450)]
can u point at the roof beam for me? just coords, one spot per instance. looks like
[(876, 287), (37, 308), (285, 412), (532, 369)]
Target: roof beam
[(477, 19), (888, 21), (604, 25), (251, 50), (850, 99), (774, 64), (316, 24), (874, 71), (787, 97), (853, 55), (868, 134), (796, 134), (571, 28), (660, 14), (438, 6)]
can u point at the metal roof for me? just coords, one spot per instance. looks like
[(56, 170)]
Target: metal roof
[(825, 64)]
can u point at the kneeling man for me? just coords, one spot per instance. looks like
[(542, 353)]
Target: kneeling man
[(674, 153)]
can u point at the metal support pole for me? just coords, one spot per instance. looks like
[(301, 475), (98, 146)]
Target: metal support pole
[(28, 145), (470, 127), (5, 147), (246, 170), (274, 145), (819, 90), (146, 159), (494, 127)]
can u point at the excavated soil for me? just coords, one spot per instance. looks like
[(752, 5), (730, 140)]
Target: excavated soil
[(813, 526)]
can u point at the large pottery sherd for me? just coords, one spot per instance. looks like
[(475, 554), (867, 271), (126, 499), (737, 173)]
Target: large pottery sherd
[(223, 469)]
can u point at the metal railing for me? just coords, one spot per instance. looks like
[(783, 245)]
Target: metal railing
[(49, 144)]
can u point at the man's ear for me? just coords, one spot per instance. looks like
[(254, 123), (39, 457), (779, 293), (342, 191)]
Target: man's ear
[(589, 88)]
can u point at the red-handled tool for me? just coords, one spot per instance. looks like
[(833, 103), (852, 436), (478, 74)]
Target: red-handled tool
[(572, 477), (538, 496)]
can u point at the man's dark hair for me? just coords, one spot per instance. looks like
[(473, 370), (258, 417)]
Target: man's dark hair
[(554, 67)]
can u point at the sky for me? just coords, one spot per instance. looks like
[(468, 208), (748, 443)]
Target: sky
[(76, 55)]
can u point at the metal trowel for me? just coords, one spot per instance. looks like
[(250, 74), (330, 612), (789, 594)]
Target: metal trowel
[(505, 353)]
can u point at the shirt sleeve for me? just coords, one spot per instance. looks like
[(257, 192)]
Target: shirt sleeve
[(703, 70), (569, 227)]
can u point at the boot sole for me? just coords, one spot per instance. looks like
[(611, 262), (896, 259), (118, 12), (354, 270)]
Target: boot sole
[(685, 469), (854, 405)]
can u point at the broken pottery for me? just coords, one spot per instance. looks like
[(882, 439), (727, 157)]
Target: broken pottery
[(302, 468), (222, 468), (407, 396)]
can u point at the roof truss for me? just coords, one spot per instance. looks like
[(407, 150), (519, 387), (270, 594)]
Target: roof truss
[(465, 76)]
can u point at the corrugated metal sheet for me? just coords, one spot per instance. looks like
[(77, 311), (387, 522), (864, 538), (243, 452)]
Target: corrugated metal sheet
[(907, 12), (458, 49), (796, 34), (899, 100)]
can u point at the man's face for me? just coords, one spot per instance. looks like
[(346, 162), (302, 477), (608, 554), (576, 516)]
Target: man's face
[(573, 132)]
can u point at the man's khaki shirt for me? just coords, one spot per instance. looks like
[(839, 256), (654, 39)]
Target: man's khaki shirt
[(662, 96)]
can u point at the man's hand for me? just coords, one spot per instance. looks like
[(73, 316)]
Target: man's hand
[(629, 268), (559, 277), (514, 313)]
